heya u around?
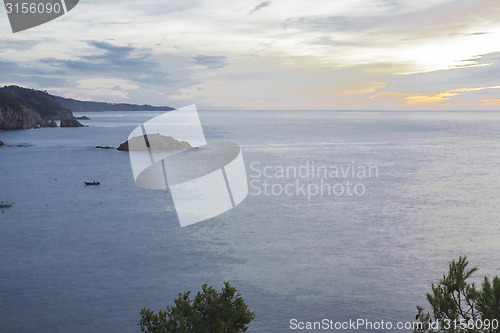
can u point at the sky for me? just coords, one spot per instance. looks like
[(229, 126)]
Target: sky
[(286, 54)]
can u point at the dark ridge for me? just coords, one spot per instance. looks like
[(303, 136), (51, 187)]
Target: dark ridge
[(88, 106)]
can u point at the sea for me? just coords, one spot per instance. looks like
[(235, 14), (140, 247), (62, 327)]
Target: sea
[(349, 216)]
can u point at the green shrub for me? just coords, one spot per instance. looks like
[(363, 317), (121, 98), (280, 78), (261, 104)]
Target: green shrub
[(209, 312), (459, 306)]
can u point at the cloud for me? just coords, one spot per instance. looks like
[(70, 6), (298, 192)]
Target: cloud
[(477, 84), (162, 8), (260, 6), (98, 89), (435, 36), (444, 97), (111, 59), (436, 19), (30, 75), (211, 62), (481, 72), (106, 69)]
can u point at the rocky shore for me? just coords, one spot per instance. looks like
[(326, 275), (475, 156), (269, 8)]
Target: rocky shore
[(18, 117), (70, 123), (46, 123)]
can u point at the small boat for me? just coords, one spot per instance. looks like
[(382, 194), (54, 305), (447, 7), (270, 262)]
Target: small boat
[(5, 205), (92, 183)]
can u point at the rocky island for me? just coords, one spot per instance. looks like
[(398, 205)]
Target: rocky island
[(155, 141), (70, 123)]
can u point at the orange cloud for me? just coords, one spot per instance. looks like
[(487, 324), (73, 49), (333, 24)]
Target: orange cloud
[(489, 101), (418, 99), (366, 88)]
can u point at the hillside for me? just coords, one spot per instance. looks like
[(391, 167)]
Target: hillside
[(22, 108), (87, 106), (15, 113), (41, 102)]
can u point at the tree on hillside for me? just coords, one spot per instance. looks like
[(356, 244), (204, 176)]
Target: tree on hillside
[(209, 312), (459, 306)]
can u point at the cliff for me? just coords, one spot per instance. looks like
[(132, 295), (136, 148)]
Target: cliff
[(86, 106), (22, 108), (15, 113)]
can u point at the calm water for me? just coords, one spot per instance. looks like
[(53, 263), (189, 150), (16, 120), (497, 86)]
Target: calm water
[(87, 259)]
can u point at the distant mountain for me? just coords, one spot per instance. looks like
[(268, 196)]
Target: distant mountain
[(86, 106), (22, 108)]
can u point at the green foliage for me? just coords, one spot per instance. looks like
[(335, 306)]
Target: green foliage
[(40, 101), (11, 101), (459, 306), (209, 312), (488, 302)]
